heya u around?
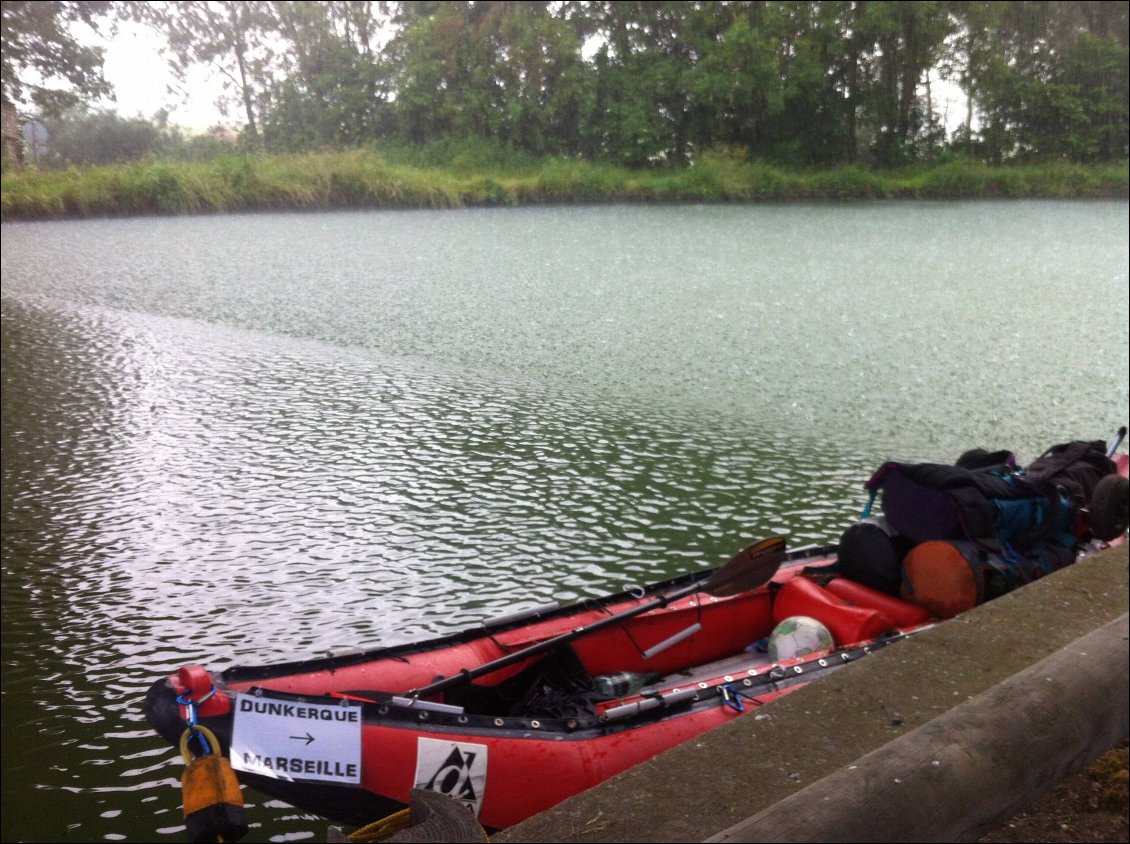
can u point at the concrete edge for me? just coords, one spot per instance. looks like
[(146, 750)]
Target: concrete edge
[(959, 775)]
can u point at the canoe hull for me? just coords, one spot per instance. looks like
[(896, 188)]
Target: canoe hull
[(508, 767)]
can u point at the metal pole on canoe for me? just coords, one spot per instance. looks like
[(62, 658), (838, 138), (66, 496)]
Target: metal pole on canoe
[(749, 568), (1117, 442)]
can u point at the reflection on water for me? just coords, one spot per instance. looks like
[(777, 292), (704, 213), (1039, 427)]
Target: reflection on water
[(256, 438), (914, 325), (182, 492)]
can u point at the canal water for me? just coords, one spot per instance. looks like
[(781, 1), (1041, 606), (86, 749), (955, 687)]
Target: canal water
[(253, 438)]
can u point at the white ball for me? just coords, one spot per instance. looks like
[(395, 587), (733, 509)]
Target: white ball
[(799, 635)]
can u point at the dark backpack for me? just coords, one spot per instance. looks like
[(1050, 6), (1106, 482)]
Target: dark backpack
[(1075, 467), (998, 506)]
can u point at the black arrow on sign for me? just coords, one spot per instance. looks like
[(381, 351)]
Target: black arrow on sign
[(307, 738)]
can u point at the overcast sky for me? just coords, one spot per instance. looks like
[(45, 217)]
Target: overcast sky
[(140, 76)]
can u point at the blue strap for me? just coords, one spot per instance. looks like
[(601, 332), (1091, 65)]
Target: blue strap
[(870, 503), (205, 747), (189, 705)]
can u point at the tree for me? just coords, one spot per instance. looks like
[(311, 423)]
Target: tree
[(335, 88), (443, 76), (509, 72), (40, 53), (1050, 79), (737, 85), (647, 101), (541, 79), (819, 82), (232, 36), (902, 42), (102, 137)]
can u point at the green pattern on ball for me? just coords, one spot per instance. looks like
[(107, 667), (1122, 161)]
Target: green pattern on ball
[(798, 635)]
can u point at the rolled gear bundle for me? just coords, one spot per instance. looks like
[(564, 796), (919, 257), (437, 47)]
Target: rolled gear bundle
[(950, 577), (871, 552)]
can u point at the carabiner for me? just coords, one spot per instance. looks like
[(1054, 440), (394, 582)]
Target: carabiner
[(731, 698)]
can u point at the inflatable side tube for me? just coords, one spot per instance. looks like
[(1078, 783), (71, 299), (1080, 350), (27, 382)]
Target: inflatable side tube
[(848, 625), (900, 612)]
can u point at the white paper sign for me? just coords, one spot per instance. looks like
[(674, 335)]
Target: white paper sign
[(300, 742), (455, 768)]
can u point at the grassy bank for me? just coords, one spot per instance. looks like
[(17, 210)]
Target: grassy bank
[(370, 179)]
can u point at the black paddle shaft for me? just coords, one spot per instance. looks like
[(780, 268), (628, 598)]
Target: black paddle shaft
[(750, 568)]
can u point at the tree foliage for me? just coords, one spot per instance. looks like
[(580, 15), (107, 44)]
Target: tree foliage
[(43, 62), (797, 82), (102, 137), (1050, 79), (332, 91), (232, 37)]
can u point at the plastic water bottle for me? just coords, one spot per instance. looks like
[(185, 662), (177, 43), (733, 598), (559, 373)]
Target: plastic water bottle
[(621, 683)]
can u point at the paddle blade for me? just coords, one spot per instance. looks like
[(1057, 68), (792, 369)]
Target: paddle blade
[(752, 567)]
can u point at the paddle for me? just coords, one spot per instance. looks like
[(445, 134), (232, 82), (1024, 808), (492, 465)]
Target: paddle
[(748, 569)]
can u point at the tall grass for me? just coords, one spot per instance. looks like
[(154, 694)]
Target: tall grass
[(440, 178)]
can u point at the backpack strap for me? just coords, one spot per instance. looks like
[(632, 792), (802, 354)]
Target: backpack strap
[(1076, 467)]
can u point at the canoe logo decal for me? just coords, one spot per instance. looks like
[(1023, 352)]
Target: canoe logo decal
[(456, 769)]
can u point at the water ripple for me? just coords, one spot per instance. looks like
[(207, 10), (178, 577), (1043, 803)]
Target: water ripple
[(181, 499), (221, 461)]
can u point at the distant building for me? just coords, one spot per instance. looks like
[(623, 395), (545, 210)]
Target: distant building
[(223, 134), (13, 143)]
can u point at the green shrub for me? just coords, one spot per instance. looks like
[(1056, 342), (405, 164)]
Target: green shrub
[(371, 178)]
